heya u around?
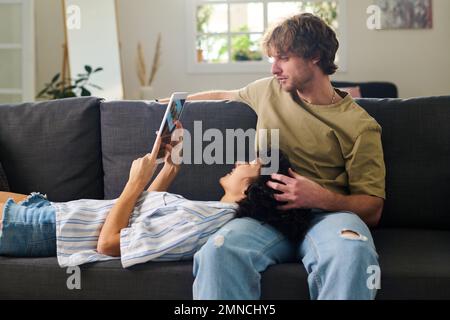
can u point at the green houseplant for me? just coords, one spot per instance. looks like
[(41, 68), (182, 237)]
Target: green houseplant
[(68, 88), (242, 49)]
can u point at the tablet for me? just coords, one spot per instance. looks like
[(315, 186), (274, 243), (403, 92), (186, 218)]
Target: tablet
[(173, 114)]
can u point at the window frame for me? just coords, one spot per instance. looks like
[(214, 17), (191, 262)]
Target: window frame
[(250, 66), (25, 49)]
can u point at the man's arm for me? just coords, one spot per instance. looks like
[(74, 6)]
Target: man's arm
[(368, 208), (300, 192), (208, 95)]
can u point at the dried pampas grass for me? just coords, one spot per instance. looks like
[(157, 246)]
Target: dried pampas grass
[(142, 66)]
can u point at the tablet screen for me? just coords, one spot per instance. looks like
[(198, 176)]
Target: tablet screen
[(172, 115)]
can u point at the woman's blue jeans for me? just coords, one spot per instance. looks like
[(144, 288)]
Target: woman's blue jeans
[(228, 266), (28, 229)]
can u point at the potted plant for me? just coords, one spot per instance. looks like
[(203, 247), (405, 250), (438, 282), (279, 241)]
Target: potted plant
[(204, 13), (241, 47), (68, 88)]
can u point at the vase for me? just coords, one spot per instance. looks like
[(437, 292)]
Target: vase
[(147, 93)]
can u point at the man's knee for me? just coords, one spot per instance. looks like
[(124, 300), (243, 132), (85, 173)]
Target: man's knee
[(218, 247), (235, 241), (214, 255), (353, 248)]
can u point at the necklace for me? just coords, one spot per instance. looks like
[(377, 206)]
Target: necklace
[(334, 96), (297, 96)]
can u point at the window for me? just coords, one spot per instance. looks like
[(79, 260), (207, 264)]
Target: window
[(16, 51), (225, 35)]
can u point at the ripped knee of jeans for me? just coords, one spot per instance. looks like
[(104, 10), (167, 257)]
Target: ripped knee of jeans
[(352, 235)]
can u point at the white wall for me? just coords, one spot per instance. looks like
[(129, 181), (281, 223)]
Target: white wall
[(142, 21), (416, 60)]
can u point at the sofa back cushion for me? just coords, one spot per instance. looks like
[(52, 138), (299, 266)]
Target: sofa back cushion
[(128, 132), (4, 186), (371, 89), (416, 143), (53, 147)]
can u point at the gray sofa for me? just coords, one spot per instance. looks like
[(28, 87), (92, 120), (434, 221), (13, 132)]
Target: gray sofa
[(83, 148)]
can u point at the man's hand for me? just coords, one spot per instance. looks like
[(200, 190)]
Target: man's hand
[(142, 169), (299, 192)]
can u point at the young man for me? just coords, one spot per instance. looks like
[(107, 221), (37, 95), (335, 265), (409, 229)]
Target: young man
[(338, 170)]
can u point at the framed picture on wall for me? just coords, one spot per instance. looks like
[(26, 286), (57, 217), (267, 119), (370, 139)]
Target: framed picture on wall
[(406, 14)]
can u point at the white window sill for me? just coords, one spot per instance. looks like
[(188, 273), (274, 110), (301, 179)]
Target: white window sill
[(233, 67)]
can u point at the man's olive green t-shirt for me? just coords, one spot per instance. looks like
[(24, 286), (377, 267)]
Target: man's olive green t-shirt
[(338, 146)]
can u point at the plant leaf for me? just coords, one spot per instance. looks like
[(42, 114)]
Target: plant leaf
[(80, 80), (85, 92), (56, 77), (95, 86), (98, 70), (88, 69), (43, 90), (70, 94)]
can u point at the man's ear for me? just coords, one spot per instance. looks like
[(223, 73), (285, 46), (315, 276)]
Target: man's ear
[(316, 60)]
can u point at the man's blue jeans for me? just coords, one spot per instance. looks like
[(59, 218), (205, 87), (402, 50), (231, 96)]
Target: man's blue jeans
[(228, 266)]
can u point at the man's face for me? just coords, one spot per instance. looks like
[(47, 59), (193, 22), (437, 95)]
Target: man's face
[(292, 72)]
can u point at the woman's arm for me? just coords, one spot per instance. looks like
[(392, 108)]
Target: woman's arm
[(164, 179), (141, 172), (117, 219)]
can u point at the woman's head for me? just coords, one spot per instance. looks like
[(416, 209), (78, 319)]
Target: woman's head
[(237, 181), (259, 203)]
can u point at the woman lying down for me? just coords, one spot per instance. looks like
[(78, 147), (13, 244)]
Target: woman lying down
[(140, 225)]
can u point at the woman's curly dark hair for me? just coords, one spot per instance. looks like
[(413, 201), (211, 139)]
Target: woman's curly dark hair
[(260, 204)]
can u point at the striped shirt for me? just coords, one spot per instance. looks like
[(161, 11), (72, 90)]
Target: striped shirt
[(162, 227)]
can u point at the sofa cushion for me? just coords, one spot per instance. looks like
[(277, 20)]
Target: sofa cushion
[(42, 278), (53, 147), (414, 263), (4, 186), (371, 89), (416, 143), (28, 278), (128, 132)]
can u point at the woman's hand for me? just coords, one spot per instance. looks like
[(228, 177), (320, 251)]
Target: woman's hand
[(142, 169), (174, 155), (172, 162)]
